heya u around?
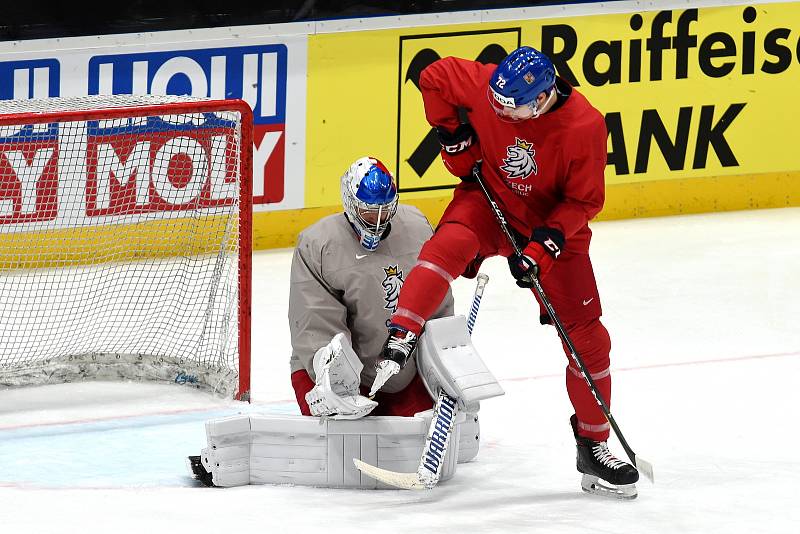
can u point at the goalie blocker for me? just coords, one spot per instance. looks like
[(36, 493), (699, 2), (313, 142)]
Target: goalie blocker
[(300, 450)]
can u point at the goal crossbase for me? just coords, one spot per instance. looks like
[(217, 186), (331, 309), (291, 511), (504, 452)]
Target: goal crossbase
[(220, 381)]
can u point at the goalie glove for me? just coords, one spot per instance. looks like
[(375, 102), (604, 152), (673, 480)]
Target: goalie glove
[(538, 257), (324, 403), (336, 392), (460, 150)]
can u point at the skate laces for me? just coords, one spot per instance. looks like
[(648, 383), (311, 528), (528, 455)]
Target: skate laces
[(604, 456), (403, 344)]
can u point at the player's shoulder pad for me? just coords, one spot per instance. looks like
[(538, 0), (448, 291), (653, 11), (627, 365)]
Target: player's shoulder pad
[(409, 211), (411, 216), (585, 117), (330, 229)]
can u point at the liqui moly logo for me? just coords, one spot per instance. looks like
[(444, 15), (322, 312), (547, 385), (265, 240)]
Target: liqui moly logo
[(28, 173), (29, 154), (139, 165), (33, 78), (256, 74), (160, 164), (437, 447)]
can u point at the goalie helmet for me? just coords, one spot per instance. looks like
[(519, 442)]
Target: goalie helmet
[(369, 196), (518, 80)]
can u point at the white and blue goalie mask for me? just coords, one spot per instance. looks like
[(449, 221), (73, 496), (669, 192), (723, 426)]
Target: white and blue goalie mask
[(369, 196)]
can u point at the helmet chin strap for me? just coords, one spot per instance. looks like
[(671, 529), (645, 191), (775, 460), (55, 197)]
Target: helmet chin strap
[(538, 110)]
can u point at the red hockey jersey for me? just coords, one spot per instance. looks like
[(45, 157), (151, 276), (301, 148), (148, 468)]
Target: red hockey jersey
[(546, 171)]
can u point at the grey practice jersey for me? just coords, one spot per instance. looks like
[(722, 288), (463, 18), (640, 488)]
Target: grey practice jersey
[(338, 286)]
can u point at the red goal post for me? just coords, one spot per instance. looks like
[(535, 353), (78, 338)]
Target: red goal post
[(125, 241)]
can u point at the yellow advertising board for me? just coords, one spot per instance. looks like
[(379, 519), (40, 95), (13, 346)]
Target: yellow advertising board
[(699, 103)]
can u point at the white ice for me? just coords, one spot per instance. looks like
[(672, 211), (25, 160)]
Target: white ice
[(704, 314)]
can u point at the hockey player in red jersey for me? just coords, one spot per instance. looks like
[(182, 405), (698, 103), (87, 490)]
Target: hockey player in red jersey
[(541, 147)]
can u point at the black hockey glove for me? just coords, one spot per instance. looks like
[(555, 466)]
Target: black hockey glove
[(538, 257), (460, 150)]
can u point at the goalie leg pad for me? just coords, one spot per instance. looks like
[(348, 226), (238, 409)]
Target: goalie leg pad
[(227, 456), (470, 440), (447, 359), (307, 451)]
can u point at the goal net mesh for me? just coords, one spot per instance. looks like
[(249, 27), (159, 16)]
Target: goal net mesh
[(124, 241)]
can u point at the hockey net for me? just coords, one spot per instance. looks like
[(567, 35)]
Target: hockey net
[(125, 243)]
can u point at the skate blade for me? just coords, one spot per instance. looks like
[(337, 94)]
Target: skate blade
[(592, 484)]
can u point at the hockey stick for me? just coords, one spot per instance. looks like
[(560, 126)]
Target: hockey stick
[(644, 467), (438, 438)]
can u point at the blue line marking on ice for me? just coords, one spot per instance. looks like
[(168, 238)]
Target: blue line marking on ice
[(115, 453)]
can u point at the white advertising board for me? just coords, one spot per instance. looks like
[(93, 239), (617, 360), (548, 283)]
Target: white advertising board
[(266, 70)]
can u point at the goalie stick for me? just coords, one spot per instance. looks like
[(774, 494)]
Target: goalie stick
[(644, 467), (438, 438)]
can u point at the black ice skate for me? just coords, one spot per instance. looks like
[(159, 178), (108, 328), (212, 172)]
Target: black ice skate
[(199, 472), (399, 345), (603, 473)]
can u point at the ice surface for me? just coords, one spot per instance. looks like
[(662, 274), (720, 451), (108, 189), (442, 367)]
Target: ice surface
[(704, 315)]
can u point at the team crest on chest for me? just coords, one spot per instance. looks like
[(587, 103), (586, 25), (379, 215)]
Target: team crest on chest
[(520, 163), (391, 285)]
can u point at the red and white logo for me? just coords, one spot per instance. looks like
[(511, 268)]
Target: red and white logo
[(160, 171), (29, 175), (519, 165)]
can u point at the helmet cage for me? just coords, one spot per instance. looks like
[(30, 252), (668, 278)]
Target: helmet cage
[(369, 196)]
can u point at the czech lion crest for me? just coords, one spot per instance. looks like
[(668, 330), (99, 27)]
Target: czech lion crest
[(520, 162), (391, 285)]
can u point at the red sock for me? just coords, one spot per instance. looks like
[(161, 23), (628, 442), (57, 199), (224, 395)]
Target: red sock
[(593, 344), (592, 422), (443, 258), (421, 295)]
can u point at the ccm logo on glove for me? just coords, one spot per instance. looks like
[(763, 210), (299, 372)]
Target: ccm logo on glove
[(538, 257), (458, 141), (460, 150)]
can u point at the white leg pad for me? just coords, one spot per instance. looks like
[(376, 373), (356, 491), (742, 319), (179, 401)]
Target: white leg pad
[(446, 358), (288, 450), (470, 441), (227, 455), (305, 451)]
